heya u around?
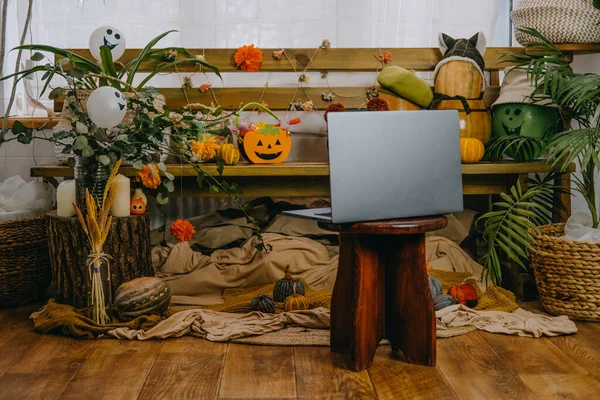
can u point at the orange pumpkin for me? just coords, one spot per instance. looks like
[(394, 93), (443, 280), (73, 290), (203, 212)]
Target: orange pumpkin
[(476, 124), (137, 206), (471, 150), (229, 154), (266, 144), (459, 78), (465, 294)]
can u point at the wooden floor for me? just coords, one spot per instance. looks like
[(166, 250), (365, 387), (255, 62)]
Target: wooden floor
[(474, 366)]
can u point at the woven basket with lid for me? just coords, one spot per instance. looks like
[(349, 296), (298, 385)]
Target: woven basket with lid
[(567, 274)]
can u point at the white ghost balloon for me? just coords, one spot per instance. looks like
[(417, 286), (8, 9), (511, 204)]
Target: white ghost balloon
[(110, 37), (106, 107)]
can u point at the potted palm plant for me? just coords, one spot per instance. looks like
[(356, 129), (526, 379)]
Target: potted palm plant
[(567, 272)]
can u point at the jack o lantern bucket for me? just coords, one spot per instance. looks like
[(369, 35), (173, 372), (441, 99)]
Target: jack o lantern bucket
[(475, 124), (265, 143)]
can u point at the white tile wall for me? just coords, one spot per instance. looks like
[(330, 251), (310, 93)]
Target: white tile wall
[(232, 23)]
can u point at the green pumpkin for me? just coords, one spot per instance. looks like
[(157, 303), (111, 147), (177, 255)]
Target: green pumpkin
[(529, 120)]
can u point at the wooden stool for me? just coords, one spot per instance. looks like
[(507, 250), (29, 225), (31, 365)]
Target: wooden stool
[(382, 290)]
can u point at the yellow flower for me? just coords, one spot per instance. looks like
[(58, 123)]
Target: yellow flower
[(150, 176), (206, 149)]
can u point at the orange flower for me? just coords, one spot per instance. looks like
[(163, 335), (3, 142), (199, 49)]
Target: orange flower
[(150, 176), (204, 88), (386, 57), (277, 54), (183, 230), (206, 149), (248, 58)]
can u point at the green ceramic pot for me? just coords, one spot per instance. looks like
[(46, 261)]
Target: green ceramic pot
[(530, 120)]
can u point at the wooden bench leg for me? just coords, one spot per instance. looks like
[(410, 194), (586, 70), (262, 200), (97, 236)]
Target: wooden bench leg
[(357, 300), (409, 314)]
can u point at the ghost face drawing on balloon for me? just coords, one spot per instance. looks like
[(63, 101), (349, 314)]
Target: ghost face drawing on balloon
[(110, 37), (106, 107)]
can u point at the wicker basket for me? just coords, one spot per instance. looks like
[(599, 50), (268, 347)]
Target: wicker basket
[(567, 274), (560, 21), (25, 272)]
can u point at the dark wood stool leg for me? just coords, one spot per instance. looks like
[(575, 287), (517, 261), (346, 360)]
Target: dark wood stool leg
[(357, 300), (409, 314)]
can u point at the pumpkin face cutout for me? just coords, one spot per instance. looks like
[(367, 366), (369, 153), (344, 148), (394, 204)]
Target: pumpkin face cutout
[(267, 144), (528, 120), (137, 206)]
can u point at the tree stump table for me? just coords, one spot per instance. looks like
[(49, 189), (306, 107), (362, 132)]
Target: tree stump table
[(382, 290), (128, 243)]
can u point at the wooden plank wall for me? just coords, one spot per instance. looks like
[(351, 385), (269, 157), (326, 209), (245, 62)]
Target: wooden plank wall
[(298, 60)]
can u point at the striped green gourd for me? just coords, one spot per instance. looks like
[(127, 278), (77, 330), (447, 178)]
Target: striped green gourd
[(285, 286), (141, 296), (263, 303)]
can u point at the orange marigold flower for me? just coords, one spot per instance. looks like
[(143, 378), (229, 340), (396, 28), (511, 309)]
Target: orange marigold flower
[(206, 149), (386, 57), (248, 58), (204, 88), (150, 176), (183, 230)]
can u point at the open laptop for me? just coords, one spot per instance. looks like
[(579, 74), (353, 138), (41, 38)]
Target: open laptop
[(391, 164)]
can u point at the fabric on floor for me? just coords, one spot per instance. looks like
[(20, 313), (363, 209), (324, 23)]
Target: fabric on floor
[(521, 322), (67, 320), (220, 327)]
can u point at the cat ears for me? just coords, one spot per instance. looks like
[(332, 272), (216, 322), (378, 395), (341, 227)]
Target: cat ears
[(478, 41)]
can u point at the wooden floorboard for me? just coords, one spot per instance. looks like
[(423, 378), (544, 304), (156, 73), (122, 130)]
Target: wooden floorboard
[(186, 368), (46, 369), (258, 372), (474, 370), (543, 367), (393, 378), (16, 336), (321, 374), (4, 313), (116, 370)]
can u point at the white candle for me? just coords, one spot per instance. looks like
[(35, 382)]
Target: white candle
[(120, 207), (65, 197)]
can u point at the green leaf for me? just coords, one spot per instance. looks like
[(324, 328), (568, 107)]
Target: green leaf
[(139, 165), (143, 55), (80, 143), (87, 152), (55, 93), (162, 199), (103, 159), (37, 56), (200, 180), (169, 185), (162, 167), (25, 137), (169, 176), (60, 135), (220, 166), (121, 138), (18, 127), (213, 189), (81, 128)]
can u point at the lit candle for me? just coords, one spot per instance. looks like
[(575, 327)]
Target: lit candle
[(65, 197), (120, 207)]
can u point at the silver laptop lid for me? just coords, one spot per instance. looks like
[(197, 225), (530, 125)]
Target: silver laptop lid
[(394, 164)]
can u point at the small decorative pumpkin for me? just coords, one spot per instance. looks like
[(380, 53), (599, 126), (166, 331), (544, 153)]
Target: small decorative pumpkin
[(435, 286), (471, 150), (229, 153), (287, 286), (296, 301), (137, 206), (443, 301), (464, 294), (263, 303), (267, 143), (141, 296)]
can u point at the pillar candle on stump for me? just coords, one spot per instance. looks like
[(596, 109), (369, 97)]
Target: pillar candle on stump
[(65, 197), (120, 207)]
